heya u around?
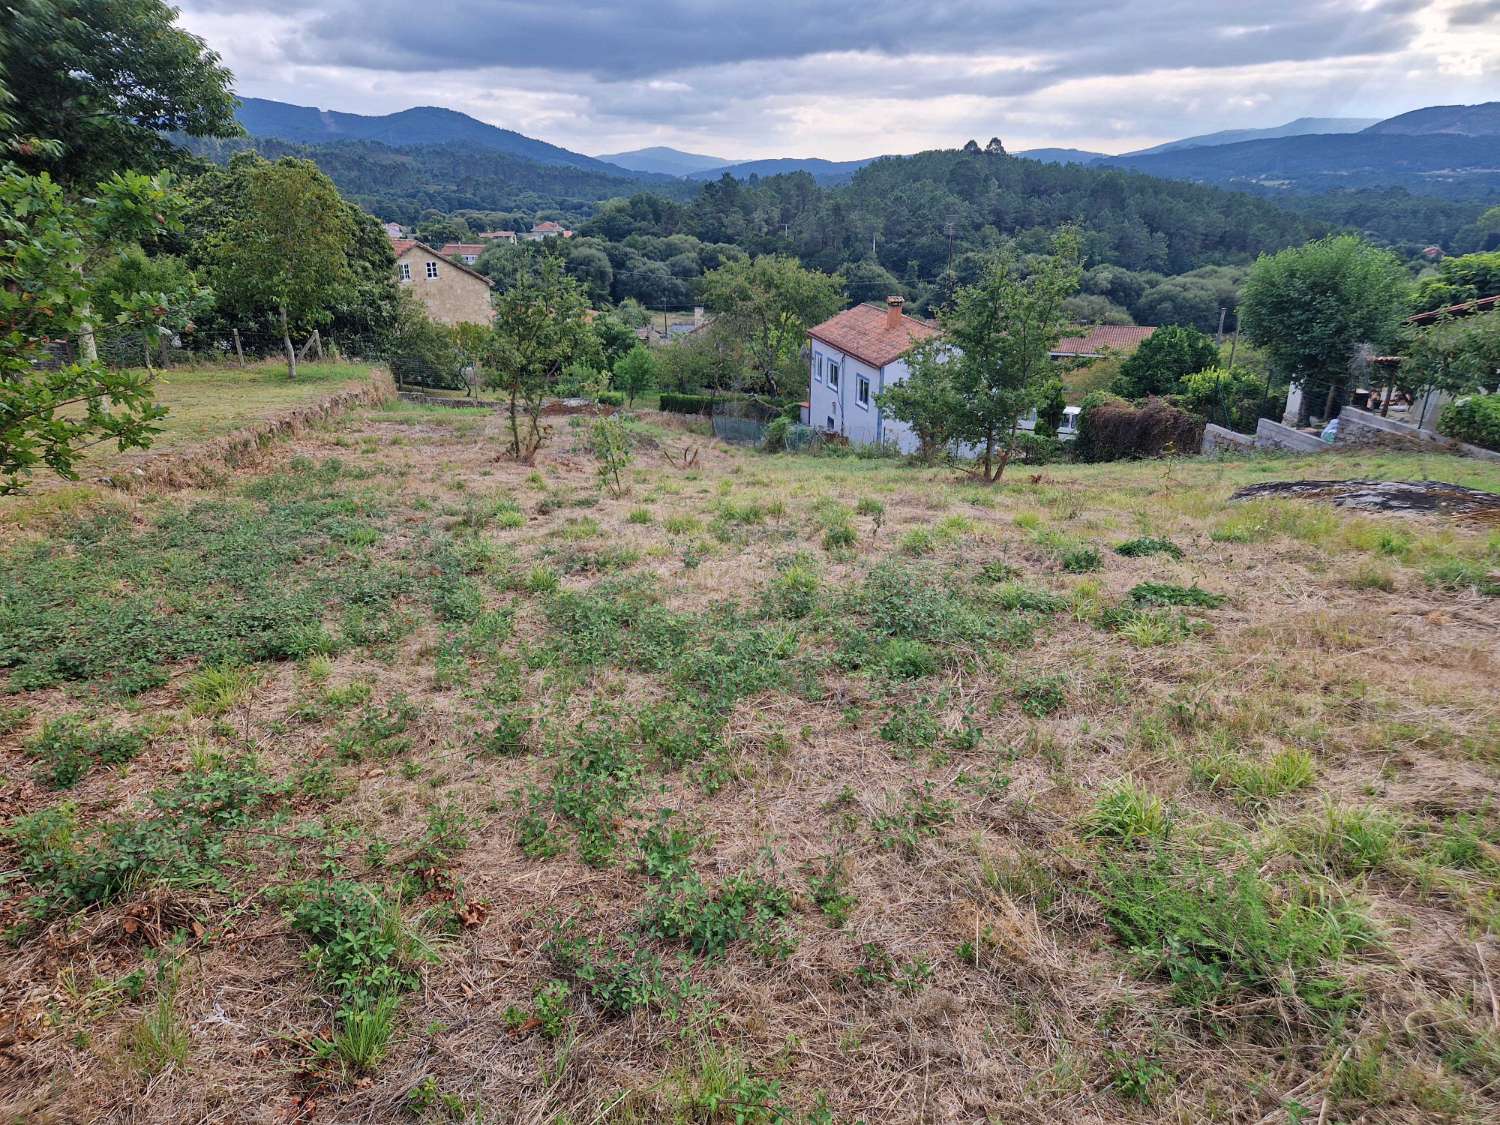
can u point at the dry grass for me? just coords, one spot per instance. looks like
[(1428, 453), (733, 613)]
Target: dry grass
[(1335, 725)]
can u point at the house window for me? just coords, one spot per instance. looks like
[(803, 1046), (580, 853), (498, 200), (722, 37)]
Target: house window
[(829, 427), (862, 391), (405, 271), (833, 376), (469, 259), (431, 270), (817, 369)]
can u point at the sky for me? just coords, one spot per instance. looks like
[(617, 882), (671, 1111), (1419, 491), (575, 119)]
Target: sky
[(844, 79)]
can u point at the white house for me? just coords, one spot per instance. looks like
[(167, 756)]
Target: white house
[(855, 356), (860, 352)]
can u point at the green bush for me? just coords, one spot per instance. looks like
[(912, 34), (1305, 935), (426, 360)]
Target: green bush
[(686, 404), (1475, 420), (612, 398)]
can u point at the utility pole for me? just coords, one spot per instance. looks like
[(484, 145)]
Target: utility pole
[(1220, 340), (950, 229)]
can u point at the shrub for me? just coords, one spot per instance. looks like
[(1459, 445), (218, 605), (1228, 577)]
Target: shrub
[(1148, 545), (1080, 560), (686, 404), (68, 748), (1166, 593), (1475, 420), (611, 398), (1114, 431)]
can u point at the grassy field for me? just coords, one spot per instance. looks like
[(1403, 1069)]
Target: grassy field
[(209, 402), (401, 782)]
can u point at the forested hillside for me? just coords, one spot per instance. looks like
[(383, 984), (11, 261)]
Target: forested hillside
[(401, 184), (921, 210)]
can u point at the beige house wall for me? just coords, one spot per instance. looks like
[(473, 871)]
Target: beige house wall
[(454, 296)]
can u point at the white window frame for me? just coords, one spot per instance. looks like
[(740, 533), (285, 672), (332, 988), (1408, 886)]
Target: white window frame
[(833, 376), (405, 268), (861, 391), (470, 259), (432, 271), (817, 368)]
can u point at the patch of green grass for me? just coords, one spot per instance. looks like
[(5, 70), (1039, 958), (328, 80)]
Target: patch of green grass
[(919, 814), (159, 1041), (1080, 560), (1041, 695), (1015, 596), (1130, 813), (1351, 840), (1222, 938), (1459, 574), (1253, 782), (213, 691)]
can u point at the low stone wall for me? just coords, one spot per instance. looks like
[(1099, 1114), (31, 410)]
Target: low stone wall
[(208, 463), (1273, 435), (1361, 429), (1219, 438), (457, 403)]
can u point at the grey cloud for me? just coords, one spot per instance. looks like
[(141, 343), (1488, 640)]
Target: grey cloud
[(614, 41), (1477, 13)]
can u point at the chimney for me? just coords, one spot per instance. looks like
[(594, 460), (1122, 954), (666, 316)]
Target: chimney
[(893, 312)]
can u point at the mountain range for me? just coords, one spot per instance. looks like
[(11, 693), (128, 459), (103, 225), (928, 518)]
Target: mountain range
[(1451, 151)]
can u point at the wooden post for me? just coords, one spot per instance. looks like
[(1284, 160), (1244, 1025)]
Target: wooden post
[(306, 346), (238, 350), (318, 336)]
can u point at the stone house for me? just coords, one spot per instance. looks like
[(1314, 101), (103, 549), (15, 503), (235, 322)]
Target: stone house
[(451, 293)]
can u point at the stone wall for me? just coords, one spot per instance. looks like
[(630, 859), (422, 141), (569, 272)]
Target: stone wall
[(1361, 429), (1218, 439)]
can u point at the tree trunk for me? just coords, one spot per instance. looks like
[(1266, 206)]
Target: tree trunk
[(286, 343)]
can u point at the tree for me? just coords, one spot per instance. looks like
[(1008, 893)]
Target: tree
[(110, 80), (289, 249), (541, 327), (52, 410), (1229, 396), (1312, 306), (868, 280), (635, 373), (770, 302), (927, 400), (1459, 355), (1163, 360), (993, 363)]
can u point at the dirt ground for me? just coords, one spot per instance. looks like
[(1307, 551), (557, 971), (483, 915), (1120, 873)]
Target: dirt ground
[(1029, 833)]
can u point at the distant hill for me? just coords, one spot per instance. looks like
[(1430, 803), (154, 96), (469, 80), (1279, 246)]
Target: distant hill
[(1448, 165), (1062, 155), (403, 183), (1481, 120), (823, 171), (1301, 127), (667, 161), (421, 125)]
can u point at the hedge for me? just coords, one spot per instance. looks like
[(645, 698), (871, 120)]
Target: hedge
[(1475, 420), (686, 404), (612, 398), (1115, 430)]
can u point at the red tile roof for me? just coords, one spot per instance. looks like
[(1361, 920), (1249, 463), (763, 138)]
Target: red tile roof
[(863, 333), (459, 249), (1114, 337), (1463, 309), (402, 245)]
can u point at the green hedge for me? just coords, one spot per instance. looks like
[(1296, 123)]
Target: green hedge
[(686, 404), (1476, 420), (612, 398)]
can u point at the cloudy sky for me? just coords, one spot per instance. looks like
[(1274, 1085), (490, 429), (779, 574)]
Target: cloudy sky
[(853, 78)]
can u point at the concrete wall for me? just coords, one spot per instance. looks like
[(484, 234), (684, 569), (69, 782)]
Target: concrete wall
[(454, 296), (1273, 435)]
